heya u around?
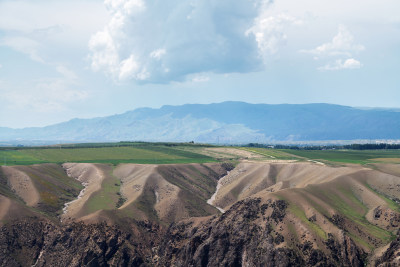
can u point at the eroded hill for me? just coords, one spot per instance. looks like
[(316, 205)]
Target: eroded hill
[(273, 213)]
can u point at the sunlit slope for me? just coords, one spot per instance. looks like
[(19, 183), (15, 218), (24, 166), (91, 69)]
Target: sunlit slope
[(162, 193), (249, 178), (40, 189)]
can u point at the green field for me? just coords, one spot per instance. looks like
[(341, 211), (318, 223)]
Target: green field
[(145, 154), (345, 156), (167, 153)]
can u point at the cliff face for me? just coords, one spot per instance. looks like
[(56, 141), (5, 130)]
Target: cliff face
[(43, 243)]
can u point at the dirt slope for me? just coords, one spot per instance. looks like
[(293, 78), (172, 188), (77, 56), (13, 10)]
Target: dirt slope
[(162, 193), (91, 176), (249, 178), (22, 185), (168, 192)]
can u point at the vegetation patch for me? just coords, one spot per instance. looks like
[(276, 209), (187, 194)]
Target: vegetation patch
[(356, 212), (299, 213), (391, 204), (107, 197), (143, 154)]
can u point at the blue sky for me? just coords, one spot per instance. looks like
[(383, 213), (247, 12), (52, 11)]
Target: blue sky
[(64, 59)]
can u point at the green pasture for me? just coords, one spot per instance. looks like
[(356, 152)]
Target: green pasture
[(168, 153), (150, 154)]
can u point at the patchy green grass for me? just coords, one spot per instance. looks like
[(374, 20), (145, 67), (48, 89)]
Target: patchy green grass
[(391, 204), (355, 210), (107, 197), (144, 154), (299, 213), (345, 203)]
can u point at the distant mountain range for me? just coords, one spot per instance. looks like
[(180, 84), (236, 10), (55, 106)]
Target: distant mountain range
[(227, 122)]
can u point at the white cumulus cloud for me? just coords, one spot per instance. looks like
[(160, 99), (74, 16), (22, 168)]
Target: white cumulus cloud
[(339, 64), (342, 47), (164, 41), (269, 31), (342, 43)]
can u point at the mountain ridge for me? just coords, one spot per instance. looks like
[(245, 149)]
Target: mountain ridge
[(226, 122)]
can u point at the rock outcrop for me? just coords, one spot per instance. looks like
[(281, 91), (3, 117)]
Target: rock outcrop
[(33, 242), (391, 257)]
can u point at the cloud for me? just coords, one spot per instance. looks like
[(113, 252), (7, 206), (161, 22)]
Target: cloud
[(44, 95), (63, 22), (339, 64), (269, 31), (200, 79), (342, 47), (342, 44), (24, 45), (164, 41)]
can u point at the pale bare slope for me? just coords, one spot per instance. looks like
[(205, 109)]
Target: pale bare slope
[(168, 192), (133, 179), (165, 193), (248, 178), (138, 178), (245, 180), (22, 185), (12, 209), (393, 169), (91, 176), (385, 183)]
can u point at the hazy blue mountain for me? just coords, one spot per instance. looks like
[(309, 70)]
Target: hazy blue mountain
[(227, 122)]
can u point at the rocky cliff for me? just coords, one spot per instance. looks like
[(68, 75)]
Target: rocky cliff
[(44, 243)]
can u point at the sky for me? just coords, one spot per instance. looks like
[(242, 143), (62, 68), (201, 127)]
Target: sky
[(64, 59)]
